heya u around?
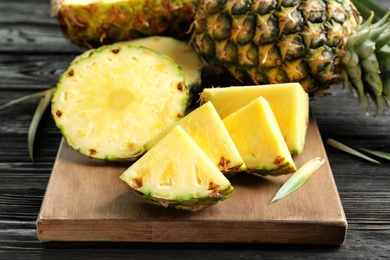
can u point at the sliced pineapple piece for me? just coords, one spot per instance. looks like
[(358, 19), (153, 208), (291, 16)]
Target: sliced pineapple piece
[(289, 102), (111, 103), (205, 127), (176, 173), (256, 133)]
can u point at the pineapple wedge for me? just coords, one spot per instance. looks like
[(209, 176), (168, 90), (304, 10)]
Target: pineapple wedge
[(256, 133), (289, 102), (205, 127), (111, 103), (176, 173)]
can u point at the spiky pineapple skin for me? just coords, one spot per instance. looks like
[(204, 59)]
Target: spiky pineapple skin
[(100, 23), (269, 41)]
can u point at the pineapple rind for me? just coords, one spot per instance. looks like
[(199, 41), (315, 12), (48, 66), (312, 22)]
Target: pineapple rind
[(107, 106), (177, 173), (100, 23)]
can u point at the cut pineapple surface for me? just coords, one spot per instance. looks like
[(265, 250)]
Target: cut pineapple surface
[(110, 104), (181, 52), (176, 173), (205, 127), (289, 103), (256, 134)]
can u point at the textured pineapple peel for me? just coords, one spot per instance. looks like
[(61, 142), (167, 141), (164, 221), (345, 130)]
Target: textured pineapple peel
[(177, 173), (111, 103)]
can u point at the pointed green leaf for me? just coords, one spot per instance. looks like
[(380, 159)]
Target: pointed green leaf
[(349, 150), (377, 153), (365, 7), (42, 105), (24, 98), (298, 178)]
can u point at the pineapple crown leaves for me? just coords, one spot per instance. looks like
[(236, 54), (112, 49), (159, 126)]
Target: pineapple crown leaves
[(344, 148), (44, 102), (366, 63)]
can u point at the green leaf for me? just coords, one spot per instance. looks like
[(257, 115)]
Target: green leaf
[(24, 98), (349, 150), (365, 7), (298, 178), (377, 153), (42, 105)]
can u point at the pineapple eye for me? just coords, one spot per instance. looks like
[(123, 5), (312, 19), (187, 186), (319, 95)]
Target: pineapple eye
[(224, 164), (136, 183), (213, 185), (278, 160), (180, 86), (58, 113), (70, 73), (92, 152), (115, 51)]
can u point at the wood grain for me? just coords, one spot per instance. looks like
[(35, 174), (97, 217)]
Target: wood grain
[(86, 201)]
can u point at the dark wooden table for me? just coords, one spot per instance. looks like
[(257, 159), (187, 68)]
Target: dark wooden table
[(33, 54)]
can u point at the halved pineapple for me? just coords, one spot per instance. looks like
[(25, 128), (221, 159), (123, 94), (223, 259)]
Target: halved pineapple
[(289, 102), (179, 51), (111, 103), (256, 133), (205, 127), (176, 173)]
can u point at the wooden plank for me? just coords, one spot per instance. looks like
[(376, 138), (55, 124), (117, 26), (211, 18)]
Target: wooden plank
[(86, 201)]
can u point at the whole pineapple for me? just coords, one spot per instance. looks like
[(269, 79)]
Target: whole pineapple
[(93, 23), (316, 43)]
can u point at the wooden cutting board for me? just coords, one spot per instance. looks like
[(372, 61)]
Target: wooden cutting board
[(86, 201)]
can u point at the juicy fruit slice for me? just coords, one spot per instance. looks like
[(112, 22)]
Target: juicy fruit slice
[(110, 104), (93, 23), (181, 52), (289, 103), (205, 127), (176, 173), (256, 133)]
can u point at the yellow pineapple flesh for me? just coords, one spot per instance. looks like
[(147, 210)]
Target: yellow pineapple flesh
[(111, 103), (289, 103), (176, 173), (205, 127), (258, 138)]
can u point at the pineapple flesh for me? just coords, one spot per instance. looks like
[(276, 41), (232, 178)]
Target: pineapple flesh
[(289, 103), (258, 138), (181, 52), (111, 103), (176, 173), (205, 127), (93, 23)]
